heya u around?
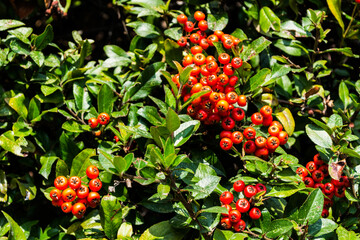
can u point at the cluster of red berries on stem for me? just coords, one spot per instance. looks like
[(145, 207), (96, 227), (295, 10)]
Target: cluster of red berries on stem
[(216, 77), (102, 119), (259, 145), (314, 176), (73, 196), (243, 206)]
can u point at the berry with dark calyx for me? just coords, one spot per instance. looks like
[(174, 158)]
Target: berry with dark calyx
[(311, 166), (228, 207), (61, 182), (257, 118), (74, 182), (237, 137), (239, 186), (329, 188), (236, 62), (260, 187), (309, 182), (82, 191), (262, 153), (340, 191), (249, 147), (325, 213), (228, 123), (302, 172), (324, 169), (242, 205), (226, 197), (249, 133), (283, 137), (92, 172), (317, 159), (93, 199), (78, 210), (93, 122), (338, 183), (182, 41), (317, 175), (272, 143), (188, 26), (95, 185), (226, 144), (266, 111), (250, 191), (55, 194), (68, 195), (66, 207), (255, 213), (203, 25), (103, 118), (237, 114), (278, 124), (234, 215), (226, 223), (239, 226), (319, 185)]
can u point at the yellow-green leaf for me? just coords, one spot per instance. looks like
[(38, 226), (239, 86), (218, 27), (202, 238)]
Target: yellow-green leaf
[(286, 119), (335, 8)]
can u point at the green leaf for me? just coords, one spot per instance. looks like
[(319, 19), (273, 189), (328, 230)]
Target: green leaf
[(344, 94), (46, 162), (110, 215), (279, 227), (122, 164), (284, 191), (173, 52), (82, 96), (185, 74), (335, 8), (28, 190), (257, 80), (163, 230), (44, 39), (312, 208), (125, 230), (81, 162), (321, 227), (215, 209), (350, 196), (169, 97), (344, 234), (151, 114), (143, 29), (75, 127), (334, 121), (318, 136), (322, 125), (10, 145), (255, 48), (84, 52), (172, 120), (22, 33), (3, 188), (16, 233), (18, 104), (175, 33), (291, 47), (6, 24), (217, 21), (268, 19), (286, 119), (185, 131), (105, 99), (113, 51), (38, 57)]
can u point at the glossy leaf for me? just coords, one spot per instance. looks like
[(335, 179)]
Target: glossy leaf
[(47, 163), (286, 118), (16, 233), (278, 227), (163, 230), (318, 136), (44, 39), (310, 211), (335, 8), (6, 24), (81, 162), (172, 120), (105, 99), (185, 131), (344, 94), (268, 19), (110, 215)]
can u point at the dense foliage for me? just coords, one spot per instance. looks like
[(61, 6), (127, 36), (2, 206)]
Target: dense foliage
[(162, 172)]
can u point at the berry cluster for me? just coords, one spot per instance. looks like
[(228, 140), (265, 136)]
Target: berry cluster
[(217, 78), (313, 176), (73, 196), (259, 145), (102, 119), (233, 219)]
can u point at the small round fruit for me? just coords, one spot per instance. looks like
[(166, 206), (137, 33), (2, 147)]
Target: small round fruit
[(236, 62), (95, 185), (68, 195), (103, 118), (311, 166), (226, 144), (283, 137), (182, 18), (78, 209), (198, 15), (340, 191), (266, 111), (74, 182), (93, 198), (93, 122), (255, 213), (203, 25), (242, 100), (182, 41), (237, 137), (226, 223), (317, 159), (309, 182), (61, 182), (249, 147), (57, 203), (272, 142), (250, 191), (274, 130), (329, 188), (82, 191), (317, 175), (239, 186), (242, 205), (249, 133), (325, 213), (257, 118), (226, 197), (262, 153), (228, 207), (260, 142), (66, 207), (234, 215), (260, 187), (227, 123), (55, 194), (92, 172), (239, 226), (302, 172), (188, 26), (237, 114)]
